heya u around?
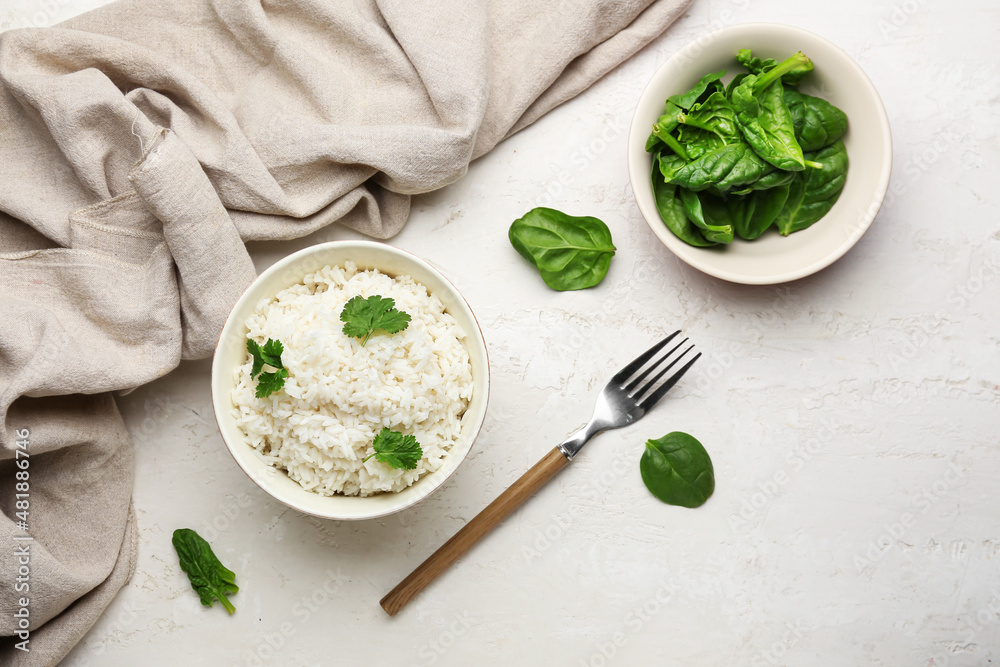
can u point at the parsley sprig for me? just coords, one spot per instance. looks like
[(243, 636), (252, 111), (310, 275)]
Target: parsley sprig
[(362, 317), (396, 450), (267, 355)]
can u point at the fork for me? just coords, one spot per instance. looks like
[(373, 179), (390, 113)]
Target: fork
[(625, 399)]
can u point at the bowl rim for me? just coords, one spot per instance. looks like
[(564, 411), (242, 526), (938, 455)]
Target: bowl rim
[(280, 265), (635, 154)]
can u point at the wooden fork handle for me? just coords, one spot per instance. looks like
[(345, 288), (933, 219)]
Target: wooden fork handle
[(475, 530)]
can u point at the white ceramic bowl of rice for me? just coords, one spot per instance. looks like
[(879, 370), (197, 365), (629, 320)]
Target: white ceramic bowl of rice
[(306, 443)]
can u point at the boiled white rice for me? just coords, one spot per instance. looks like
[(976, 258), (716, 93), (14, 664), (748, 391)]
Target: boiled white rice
[(339, 395)]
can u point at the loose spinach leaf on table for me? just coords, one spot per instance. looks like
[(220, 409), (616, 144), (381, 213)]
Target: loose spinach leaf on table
[(813, 193), (677, 470), (671, 211), (209, 578), (362, 317), (569, 252)]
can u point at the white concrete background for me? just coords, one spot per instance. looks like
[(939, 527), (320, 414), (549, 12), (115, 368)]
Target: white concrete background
[(852, 417)]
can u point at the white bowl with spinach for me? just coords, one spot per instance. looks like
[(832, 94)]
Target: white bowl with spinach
[(729, 223)]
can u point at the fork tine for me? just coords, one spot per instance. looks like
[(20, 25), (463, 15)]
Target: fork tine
[(638, 393), (635, 365), (653, 398), (635, 382)]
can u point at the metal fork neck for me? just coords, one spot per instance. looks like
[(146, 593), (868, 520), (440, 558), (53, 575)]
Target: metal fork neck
[(574, 443)]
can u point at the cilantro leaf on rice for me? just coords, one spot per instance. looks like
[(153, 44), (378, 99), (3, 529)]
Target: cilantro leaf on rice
[(396, 450)]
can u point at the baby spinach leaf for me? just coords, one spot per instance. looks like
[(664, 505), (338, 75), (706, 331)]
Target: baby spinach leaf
[(718, 156), (726, 168), (671, 211), (770, 203), (737, 159), (737, 80), (209, 578), (709, 214), (814, 192), (697, 142), (754, 213), (766, 123), (688, 99), (677, 470), (755, 65), (669, 164), (764, 118), (715, 114), (774, 179), (741, 211), (570, 252), (667, 122), (708, 126), (791, 219), (817, 123)]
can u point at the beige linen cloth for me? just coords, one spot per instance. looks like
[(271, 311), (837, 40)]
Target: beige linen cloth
[(143, 143)]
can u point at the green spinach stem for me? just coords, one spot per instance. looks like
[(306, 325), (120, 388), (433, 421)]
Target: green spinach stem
[(672, 143), (796, 61)]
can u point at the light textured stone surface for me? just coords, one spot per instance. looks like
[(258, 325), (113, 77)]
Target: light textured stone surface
[(852, 418)]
